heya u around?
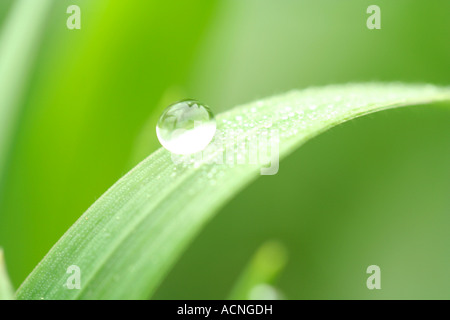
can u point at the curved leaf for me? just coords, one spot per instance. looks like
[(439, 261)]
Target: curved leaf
[(130, 237)]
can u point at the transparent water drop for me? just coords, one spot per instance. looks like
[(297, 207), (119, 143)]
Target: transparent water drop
[(186, 127)]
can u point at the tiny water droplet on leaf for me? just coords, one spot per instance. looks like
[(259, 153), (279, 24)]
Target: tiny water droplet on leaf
[(186, 127)]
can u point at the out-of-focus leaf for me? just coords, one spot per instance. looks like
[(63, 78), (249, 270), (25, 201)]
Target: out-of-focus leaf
[(18, 42), (6, 289), (256, 282)]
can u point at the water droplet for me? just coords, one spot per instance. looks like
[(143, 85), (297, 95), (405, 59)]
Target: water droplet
[(186, 127)]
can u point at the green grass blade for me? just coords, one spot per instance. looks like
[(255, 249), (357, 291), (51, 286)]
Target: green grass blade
[(130, 237), (257, 279), (6, 289), (18, 41)]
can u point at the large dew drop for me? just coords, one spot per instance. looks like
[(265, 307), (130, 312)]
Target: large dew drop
[(186, 127)]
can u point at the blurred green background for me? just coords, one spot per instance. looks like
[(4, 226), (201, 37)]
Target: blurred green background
[(375, 190)]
